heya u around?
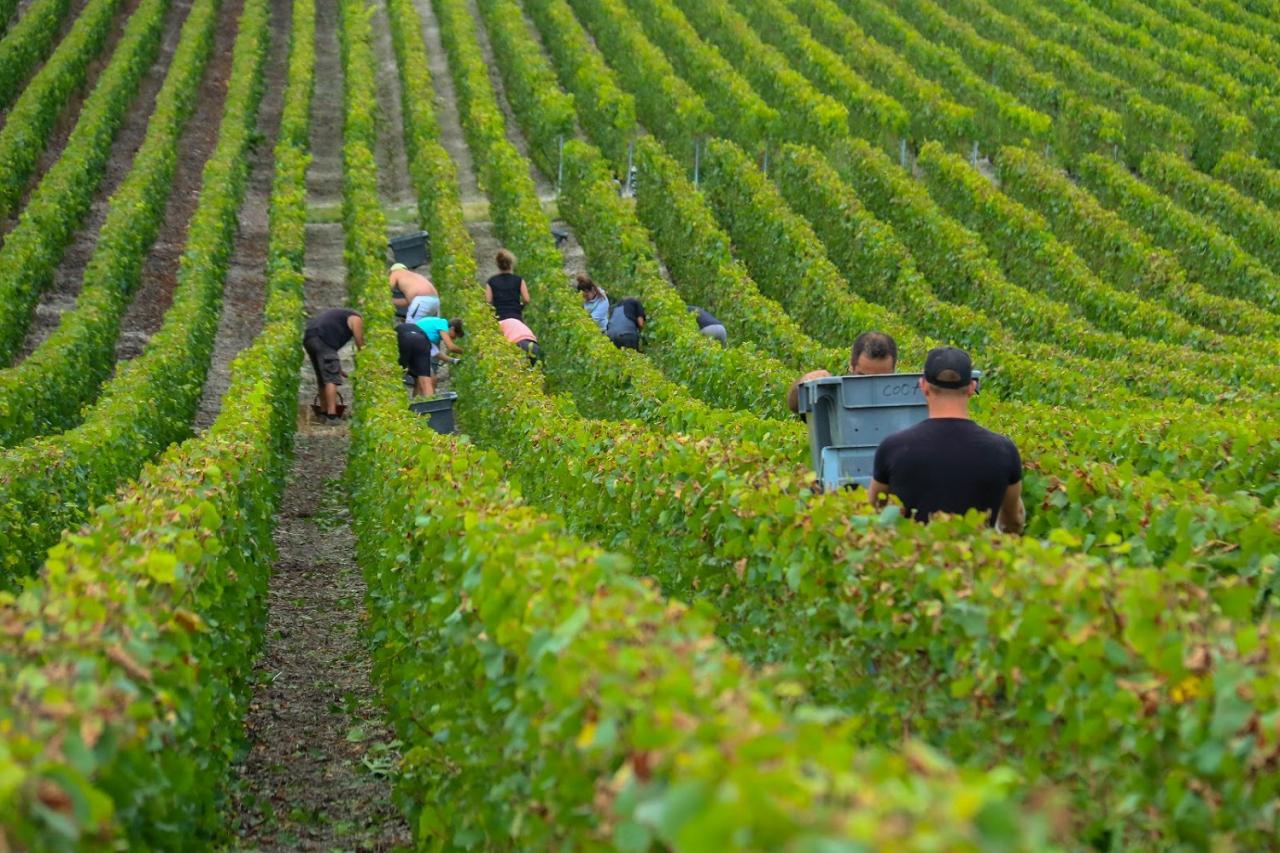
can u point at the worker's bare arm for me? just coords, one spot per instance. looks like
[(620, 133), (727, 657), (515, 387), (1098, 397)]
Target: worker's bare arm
[(524, 292), (356, 322), (878, 493), (447, 340), (1013, 514), (488, 294), (400, 301), (793, 393)]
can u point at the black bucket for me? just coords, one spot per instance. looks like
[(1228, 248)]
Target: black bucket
[(439, 410), (410, 249)]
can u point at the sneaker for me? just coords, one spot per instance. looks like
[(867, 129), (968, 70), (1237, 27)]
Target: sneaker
[(332, 419)]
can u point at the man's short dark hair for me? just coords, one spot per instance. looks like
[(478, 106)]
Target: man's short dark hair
[(875, 345), (455, 326)]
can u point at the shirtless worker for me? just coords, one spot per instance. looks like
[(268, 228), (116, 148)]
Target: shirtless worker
[(413, 294), (948, 463), (873, 353)]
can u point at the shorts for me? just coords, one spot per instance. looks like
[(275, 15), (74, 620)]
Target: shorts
[(325, 361), (530, 349), (423, 306), (626, 340), (415, 350), (715, 330)]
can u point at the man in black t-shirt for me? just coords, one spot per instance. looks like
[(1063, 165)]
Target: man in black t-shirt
[(326, 333), (948, 463)]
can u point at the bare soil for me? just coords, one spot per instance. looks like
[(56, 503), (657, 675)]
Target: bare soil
[(317, 774), (154, 294), (66, 121), (244, 292), (61, 294)]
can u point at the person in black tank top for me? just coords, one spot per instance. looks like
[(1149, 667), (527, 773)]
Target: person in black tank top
[(506, 291)]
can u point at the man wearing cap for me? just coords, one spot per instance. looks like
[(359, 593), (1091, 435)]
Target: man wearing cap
[(413, 293), (873, 353), (948, 463)]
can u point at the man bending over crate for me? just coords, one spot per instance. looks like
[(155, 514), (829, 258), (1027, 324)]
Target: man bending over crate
[(948, 463), (326, 333), (873, 353)]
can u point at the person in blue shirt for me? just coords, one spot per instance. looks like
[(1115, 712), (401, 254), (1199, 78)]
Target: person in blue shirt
[(595, 300), (442, 333)]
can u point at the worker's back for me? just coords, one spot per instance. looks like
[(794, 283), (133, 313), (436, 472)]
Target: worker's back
[(948, 465)]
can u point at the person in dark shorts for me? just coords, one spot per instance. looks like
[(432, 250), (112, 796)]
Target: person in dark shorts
[(873, 353), (709, 325), (506, 291), (948, 463), (415, 358), (626, 321), (325, 334)]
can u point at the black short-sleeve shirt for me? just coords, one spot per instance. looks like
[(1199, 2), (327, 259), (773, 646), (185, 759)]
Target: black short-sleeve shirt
[(331, 327), (948, 465)]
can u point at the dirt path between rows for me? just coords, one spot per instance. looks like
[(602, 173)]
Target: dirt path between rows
[(318, 772), (70, 113), (67, 280), (244, 292)]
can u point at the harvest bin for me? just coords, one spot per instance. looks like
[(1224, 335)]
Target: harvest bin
[(850, 415), (439, 410), (411, 249)]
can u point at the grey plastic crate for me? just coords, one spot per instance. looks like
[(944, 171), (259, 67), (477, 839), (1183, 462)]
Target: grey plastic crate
[(439, 410), (412, 250), (849, 416)]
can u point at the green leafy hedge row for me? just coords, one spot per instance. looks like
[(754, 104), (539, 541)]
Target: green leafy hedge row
[(1252, 224), (665, 103), (625, 384), (932, 111), (700, 259), (1033, 257), (29, 43), (127, 674), (1204, 250), (532, 84), (872, 112), (47, 390), (823, 117), (737, 108), (1250, 175), (49, 484), (1255, 72), (960, 269), (1219, 126), (1145, 124), (599, 101), (61, 200), (998, 116), (33, 113), (1080, 124), (1118, 251)]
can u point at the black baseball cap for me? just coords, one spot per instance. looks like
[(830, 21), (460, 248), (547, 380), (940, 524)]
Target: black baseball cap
[(948, 367)]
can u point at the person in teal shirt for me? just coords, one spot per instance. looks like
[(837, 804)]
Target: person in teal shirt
[(442, 332)]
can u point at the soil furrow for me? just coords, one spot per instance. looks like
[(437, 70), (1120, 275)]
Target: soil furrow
[(317, 775), (160, 271), (67, 280)]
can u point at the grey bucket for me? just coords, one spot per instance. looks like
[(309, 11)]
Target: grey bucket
[(411, 249), (439, 410)]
